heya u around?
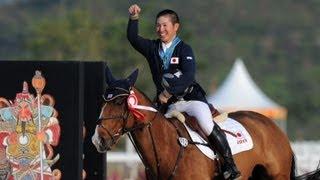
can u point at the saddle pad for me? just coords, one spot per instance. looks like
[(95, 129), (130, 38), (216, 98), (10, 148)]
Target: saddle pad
[(238, 138)]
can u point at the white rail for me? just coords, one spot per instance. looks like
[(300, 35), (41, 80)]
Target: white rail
[(307, 155)]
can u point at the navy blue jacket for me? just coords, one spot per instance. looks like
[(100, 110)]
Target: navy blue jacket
[(182, 60)]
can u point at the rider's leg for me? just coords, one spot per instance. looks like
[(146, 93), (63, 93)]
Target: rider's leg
[(216, 137), (219, 141)]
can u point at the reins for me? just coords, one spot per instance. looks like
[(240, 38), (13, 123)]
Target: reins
[(138, 150)]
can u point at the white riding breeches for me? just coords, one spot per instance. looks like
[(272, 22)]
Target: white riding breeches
[(199, 110)]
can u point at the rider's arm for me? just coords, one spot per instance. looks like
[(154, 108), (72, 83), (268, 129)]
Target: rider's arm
[(139, 43), (181, 81)]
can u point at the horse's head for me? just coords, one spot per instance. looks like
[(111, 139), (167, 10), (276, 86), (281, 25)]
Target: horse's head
[(119, 114)]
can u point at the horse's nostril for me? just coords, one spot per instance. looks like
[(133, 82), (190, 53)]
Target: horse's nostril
[(104, 144)]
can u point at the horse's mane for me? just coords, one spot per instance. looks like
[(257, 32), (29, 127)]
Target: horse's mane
[(143, 94)]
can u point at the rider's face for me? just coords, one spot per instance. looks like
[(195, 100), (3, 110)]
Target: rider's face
[(165, 29)]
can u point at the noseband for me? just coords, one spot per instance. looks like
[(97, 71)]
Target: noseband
[(124, 117)]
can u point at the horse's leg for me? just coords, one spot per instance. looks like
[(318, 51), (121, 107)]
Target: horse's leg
[(194, 165), (278, 156), (277, 153), (246, 162), (279, 164)]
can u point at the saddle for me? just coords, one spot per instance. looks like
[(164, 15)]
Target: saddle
[(193, 124)]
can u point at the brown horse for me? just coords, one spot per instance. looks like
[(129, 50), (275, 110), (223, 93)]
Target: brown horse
[(156, 139)]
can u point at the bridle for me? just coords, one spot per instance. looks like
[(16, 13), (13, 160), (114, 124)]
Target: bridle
[(123, 117)]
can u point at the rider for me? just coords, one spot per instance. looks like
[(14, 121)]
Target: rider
[(172, 65)]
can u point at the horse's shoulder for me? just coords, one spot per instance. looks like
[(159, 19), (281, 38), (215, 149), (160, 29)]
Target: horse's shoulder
[(178, 126), (189, 121), (176, 123)]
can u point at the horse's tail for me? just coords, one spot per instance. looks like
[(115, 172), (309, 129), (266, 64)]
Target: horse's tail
[(313, 175), (293, 168)]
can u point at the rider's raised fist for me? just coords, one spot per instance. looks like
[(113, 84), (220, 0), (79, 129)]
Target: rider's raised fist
[(134, 11)]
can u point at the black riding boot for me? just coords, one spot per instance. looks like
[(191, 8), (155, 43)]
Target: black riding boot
[(218, 140)]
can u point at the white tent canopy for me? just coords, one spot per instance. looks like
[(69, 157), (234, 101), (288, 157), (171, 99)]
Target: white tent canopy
[(239, 92)]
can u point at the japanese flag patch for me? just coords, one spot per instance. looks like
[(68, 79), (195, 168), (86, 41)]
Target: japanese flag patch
[(174, 60)]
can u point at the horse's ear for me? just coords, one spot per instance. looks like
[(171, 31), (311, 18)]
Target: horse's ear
[(133, 77), (109, 77)]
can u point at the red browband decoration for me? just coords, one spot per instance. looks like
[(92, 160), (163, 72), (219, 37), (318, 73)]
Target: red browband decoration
[(132, 102)]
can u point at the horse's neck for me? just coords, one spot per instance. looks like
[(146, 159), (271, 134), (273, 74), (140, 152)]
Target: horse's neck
[(156, 142), (157, 139)]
